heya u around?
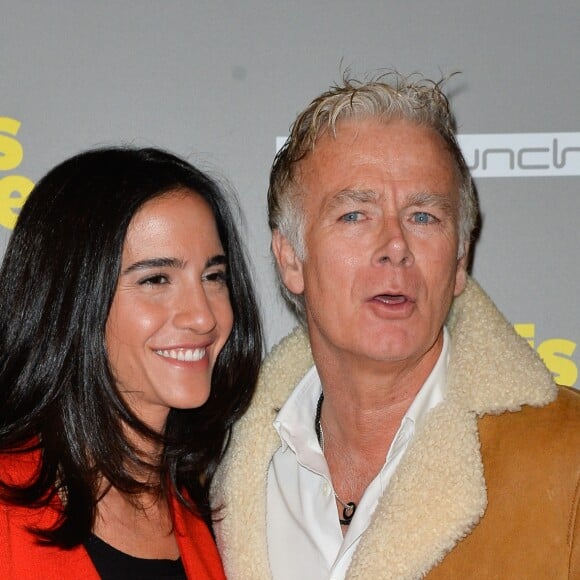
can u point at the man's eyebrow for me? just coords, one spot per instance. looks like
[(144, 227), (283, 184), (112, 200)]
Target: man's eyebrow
[(424, 198), (346, 196)]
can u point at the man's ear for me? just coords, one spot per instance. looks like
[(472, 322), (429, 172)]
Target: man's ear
[(461, 272), (289, 265)]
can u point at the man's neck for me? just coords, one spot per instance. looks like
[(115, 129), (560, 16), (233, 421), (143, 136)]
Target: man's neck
[(365, 401)]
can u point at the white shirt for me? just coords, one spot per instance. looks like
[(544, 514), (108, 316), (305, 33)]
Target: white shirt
[(305, 540)]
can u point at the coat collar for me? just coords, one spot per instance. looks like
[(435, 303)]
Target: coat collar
[(437, 494)]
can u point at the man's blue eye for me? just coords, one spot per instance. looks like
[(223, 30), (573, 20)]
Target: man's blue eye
[(422, 217), (352, 216)]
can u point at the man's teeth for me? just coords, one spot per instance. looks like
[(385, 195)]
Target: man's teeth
[(187, 355), (391, 298)]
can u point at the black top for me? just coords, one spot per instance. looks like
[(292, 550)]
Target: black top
[(111, 564)]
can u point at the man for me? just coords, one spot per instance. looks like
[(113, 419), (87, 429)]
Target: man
[(406, 431)]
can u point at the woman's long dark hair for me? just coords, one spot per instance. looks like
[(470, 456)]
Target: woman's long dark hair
[(57, 391)]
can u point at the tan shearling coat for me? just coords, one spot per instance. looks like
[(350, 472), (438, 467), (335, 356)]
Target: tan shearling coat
[(488, 488)]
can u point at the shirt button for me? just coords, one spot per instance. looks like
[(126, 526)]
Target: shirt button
[(326, 488)]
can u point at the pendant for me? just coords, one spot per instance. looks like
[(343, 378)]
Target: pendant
[(348, 513)]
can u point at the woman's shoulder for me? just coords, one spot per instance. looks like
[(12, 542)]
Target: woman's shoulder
[(19, 466)]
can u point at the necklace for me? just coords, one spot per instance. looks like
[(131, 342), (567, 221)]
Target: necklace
[(348, 508)]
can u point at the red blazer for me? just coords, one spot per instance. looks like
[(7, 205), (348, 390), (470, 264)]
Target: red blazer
[(22, 558)]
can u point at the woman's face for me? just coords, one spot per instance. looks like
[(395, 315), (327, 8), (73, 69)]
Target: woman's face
[(171, 312)]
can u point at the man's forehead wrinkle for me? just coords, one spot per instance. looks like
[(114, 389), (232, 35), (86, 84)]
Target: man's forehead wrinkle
[(432, 198), (420, 197), (346, 196)]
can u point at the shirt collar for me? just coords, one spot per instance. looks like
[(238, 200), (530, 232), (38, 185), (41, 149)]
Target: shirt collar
[(433, 390), (295, 420)]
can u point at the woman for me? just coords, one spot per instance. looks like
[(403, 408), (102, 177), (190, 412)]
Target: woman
[(129, 344)]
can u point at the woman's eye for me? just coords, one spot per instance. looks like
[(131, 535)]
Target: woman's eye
[(154, 280), (422, 217), (351, 216), (218, 276)]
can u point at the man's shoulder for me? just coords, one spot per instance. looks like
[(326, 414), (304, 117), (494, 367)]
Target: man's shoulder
[(531, 467), (295, 345), (552, 430), (564, 409), (283, 368), (567, 404)]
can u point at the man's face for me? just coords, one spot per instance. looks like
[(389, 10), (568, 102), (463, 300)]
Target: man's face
[(381, 205)]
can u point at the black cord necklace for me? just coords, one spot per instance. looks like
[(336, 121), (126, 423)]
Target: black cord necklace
[(348, 508)]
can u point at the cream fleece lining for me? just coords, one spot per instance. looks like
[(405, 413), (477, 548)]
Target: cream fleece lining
[(438, 493)]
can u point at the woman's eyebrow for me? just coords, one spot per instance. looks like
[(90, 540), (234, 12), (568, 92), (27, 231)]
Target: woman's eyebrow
[(217, 260), (154, 263)]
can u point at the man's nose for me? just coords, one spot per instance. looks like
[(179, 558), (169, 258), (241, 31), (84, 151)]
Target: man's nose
[(393, 245)]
